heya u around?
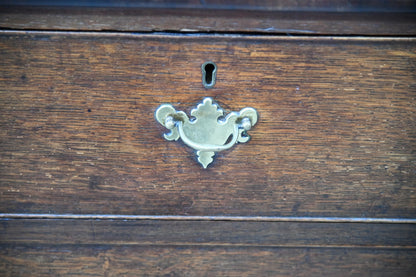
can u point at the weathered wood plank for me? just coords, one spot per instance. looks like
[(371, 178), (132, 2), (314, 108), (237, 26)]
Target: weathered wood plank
[(99, 260), (331, 19), (336, 136), (207, 233)]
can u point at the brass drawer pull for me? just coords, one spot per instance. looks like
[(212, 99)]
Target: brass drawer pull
[(207, 133)]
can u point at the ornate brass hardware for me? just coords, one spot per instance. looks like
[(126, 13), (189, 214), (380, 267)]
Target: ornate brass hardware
[(206, 133)]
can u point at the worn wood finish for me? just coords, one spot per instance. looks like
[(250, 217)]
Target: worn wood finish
[(107, 260), (341, 20), (90, 185), (336, 135), (207, 233)]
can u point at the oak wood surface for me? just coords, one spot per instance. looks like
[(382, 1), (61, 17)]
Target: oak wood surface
[(336, 135), (208, 233), (79, 143), (127, 260), (383, 19)]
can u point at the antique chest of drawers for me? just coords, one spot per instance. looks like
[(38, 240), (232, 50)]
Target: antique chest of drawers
[(325, 186)]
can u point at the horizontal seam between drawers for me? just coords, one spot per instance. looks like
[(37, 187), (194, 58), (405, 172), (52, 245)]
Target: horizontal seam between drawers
[(222, 35), (209, 218)]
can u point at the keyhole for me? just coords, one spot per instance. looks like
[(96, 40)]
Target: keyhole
[(209, 72)]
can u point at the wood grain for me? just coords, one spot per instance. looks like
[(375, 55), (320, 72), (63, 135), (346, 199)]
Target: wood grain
[(208, 233), (370, 18), (336, 135), (101, 260)]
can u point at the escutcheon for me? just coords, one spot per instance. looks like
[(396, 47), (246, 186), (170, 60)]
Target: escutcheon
[(208, 131)]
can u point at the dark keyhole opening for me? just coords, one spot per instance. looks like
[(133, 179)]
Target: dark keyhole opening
[(209, 70)]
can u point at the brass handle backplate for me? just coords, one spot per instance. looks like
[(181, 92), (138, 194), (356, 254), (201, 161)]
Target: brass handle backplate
[(207, 133)]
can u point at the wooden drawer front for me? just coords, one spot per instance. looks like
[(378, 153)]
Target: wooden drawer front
[(387, 17), (89, 186), (336, 134)]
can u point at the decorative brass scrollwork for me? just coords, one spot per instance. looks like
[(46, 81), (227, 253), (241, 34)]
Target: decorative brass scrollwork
[(206, 133)]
